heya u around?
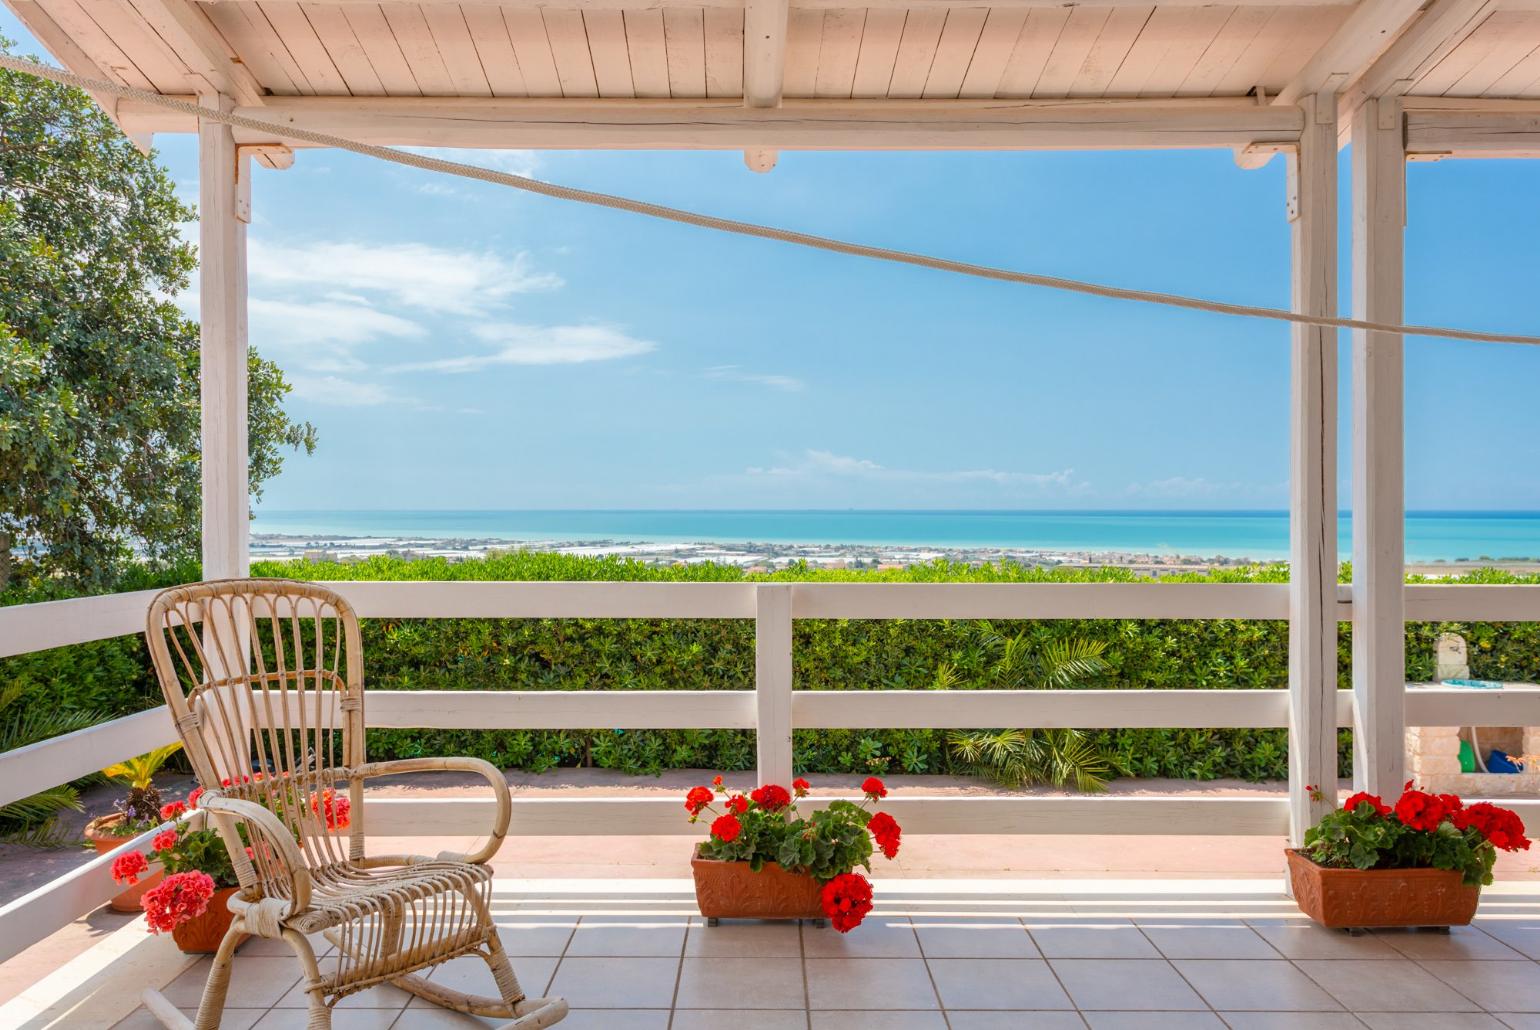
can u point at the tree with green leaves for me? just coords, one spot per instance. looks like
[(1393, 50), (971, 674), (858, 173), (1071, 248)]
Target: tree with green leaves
[(99, 406)]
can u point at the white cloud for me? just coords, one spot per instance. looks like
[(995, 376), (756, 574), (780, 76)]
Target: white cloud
[(539, 345), (735, 374), (347, 393), (819, 464), (413, 275), (339, 320), (514, 162)]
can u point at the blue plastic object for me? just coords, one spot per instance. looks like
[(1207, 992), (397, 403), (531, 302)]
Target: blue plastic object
[(1474, 684), (1501, 762)]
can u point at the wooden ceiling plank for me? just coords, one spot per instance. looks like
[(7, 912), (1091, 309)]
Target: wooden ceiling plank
[(1039, 36), (1521, 78), (246, 29), (1070, 52), (457, 48), (299, 38), (838, 51), (648, 51), (95, 42), (1369, 29), (1480, 47), (993, 52), (684, 40), (916, 51), (1186, 51), (1246, 72), (880, 36), (526, 30), (1238, 33), (1124, 28), (1438, 30), (379, 44), (607, 46), (430, 70), (569, 48), (494, 49), (332, 27), (954, 52), (804, 40), (724, 52)]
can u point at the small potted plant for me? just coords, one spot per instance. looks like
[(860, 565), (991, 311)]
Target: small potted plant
[(138, 811), (192, 901), (764, 861), (1419, 862)]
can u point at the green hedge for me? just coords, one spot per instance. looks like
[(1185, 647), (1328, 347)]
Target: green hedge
[(646, 654)]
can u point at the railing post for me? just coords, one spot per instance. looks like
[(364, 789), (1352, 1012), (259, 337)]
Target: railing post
[(1313, 471), (1379, 534), (772, 681)]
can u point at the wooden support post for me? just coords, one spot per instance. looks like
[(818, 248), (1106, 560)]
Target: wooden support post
[(223, 210), (772, 682), (764, 66), (1379, 577), (1313, 470)]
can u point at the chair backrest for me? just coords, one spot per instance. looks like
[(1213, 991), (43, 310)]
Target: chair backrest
[(264, 678)]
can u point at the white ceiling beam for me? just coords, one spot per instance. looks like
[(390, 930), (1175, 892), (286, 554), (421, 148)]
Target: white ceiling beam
[(764, 66), (1501, 128), (1371, 27), (199, 45), (796, 125), (1440, 28), (652, 5)]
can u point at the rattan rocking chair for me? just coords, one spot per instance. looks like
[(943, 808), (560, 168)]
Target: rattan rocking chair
[(265, 681)]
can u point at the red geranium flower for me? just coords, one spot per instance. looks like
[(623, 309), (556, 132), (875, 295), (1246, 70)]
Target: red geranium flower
[(726, 828), (171, 809), (1421, 811), (770, 797), (718, 781), (336, 810), (164, 841), (127, 868), (178, 898), (800, 786), (1501, 826), (873, 788), (737, 804), (192, 798), (885, 828), (846, 900), (697, 799), (1352, 803)]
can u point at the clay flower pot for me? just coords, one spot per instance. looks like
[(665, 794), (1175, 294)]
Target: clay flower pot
[(100, 833), (202, 934), (1356, 898), (732, 890)]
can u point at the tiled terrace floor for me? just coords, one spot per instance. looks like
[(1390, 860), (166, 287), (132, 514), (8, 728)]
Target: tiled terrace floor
[(947, 955)]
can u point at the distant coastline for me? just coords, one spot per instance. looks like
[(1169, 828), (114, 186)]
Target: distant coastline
[(1437, 542)]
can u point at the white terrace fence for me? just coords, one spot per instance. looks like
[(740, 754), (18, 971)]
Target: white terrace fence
[(772, 708)]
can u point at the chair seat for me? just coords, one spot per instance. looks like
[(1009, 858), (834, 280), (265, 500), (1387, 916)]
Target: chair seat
[(412, 893)]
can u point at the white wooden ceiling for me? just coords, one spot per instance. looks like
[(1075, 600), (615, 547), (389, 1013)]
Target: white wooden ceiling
[(667, 49)]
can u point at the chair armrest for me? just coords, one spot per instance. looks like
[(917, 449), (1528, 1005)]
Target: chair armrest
[(487, 770), (268, 830)]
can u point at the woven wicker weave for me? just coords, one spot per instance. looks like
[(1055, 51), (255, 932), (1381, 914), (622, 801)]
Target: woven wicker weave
[(265, 681)]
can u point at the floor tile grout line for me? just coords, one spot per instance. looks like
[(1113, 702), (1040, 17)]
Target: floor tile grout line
[(684, 944), (807, 994), (920, 944), (1183, 976)]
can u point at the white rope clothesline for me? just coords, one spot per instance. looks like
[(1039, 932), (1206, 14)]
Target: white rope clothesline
[(671, 214)]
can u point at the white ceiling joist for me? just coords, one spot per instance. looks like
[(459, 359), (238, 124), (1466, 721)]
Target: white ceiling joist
[(1444, 25), (192, 37), (764, 66), (1372, 27)]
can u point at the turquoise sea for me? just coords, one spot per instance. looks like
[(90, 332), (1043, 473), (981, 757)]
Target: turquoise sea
[(1430, 535)]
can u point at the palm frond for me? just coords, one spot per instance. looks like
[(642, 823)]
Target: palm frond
[(33, 821), (140, 771), (1065, 661)]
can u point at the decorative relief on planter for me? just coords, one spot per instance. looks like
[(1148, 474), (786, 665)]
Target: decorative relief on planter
[(731, 890), (1351, 898)]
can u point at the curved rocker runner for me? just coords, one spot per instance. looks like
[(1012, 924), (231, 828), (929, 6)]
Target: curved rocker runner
[(265, 681)]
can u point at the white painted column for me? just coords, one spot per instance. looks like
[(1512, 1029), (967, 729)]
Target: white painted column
[(1313, 470), (223, 211), (772, 682), (1379, 544)]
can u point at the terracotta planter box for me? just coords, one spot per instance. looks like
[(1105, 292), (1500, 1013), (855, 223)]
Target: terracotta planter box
[(731, 890), (201, 936), (99, 832), (1356, 898)]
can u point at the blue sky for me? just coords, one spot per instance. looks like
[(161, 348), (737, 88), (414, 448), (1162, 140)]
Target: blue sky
[(460, 345)]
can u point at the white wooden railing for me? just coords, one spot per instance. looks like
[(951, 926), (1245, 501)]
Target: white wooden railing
[(772, 708)]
